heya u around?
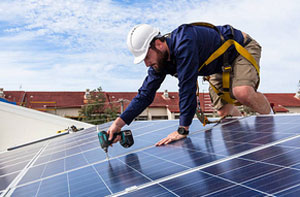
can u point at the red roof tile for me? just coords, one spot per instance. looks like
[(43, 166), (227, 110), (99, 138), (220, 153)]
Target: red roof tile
[(40, 100)]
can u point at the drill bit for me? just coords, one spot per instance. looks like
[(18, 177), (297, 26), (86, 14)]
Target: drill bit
[(106, 154)]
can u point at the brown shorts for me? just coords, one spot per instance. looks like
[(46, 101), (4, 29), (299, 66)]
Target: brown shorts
[(243, 74)]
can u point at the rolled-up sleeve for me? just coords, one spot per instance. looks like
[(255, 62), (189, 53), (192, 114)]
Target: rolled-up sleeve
[(144, 97)]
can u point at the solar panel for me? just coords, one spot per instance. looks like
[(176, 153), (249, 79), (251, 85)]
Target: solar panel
[(246, 156), (12, 162)]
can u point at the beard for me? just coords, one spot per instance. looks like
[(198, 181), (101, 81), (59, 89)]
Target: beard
[(162, 60)]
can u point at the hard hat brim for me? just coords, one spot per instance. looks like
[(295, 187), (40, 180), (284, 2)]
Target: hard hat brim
[(140, 58)]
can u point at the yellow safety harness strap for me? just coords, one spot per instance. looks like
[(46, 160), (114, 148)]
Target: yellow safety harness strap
[(225, 95), (240, 49)]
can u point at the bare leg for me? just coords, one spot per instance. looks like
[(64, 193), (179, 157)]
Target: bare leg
[(229, 109), (255, 100)]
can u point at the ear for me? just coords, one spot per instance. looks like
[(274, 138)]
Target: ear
[(159, 44)]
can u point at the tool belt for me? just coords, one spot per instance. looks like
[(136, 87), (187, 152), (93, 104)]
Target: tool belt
[(226, 68)]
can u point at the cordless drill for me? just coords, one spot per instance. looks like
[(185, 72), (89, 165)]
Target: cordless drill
[(126, 139)]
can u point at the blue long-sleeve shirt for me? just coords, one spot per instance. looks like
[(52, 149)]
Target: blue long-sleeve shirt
[(189, 48)]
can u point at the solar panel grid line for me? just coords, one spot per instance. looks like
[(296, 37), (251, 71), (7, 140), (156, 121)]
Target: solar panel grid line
[(97, 147), (89, 164), (97, 162), (99, 176), (287, 189), (81, 148), (233, 182), (272, 172), (40, 182), (129, 189), (70, 155), (78, 168), (166, 160), (69, 190), (209, 174), (208, 164), (146, 133), (271, 163), (11, 187), (7, 174), (16, 161)]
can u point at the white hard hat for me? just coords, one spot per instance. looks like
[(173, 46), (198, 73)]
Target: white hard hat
[(138, 41)]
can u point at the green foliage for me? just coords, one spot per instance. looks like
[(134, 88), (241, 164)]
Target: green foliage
[(95, 111)]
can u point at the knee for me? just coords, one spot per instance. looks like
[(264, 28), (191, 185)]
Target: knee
[(243, 94)]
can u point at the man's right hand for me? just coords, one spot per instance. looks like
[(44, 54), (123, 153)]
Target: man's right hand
[(115, 128)]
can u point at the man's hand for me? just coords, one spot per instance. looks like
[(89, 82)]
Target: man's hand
[(115, 128), (170, 138)]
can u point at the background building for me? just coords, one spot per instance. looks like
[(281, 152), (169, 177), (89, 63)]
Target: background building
[(164, 106)]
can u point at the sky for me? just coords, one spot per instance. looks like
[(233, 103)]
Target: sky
[(74, 45)]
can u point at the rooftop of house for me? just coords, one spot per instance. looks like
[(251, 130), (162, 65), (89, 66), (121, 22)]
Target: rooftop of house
[(42, 100)]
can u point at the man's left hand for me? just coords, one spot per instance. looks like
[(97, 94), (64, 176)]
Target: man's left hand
[(170, 138)]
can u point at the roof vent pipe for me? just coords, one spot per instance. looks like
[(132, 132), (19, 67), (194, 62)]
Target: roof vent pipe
[(166, 94), (297, 95), (1, 93)]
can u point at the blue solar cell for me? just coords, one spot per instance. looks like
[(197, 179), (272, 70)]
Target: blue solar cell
[(295, 143), (249, 172), (195, 184), (27, 190), (291, 192), (91, 145), (58, 155), (236, 191), (119, 176), (232, 148), (297, 166), (150, 166), (186, 157), (56, 186), (269, 138), (154, 190), (5, 180), (94, 155), (18, 159), (227, 166), (42, 159), (75, 161), (287, 159), (54, 168), (33, 173), (12, 168), (86, 182), (267, 153), (276, 181), (72, 151), (117, 149)]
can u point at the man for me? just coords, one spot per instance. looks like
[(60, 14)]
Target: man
[(180, 54)]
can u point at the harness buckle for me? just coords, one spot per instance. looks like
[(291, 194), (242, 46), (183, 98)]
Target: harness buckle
[(226, 68)]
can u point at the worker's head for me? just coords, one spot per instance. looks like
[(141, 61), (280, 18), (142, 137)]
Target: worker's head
[(146, 43)]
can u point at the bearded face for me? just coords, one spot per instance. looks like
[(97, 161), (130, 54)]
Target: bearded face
[(161, 60)]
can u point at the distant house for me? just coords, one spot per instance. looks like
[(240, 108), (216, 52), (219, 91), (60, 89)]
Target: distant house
[(164, 106)]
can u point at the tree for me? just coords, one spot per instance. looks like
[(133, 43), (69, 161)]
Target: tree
[(97, 110)]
